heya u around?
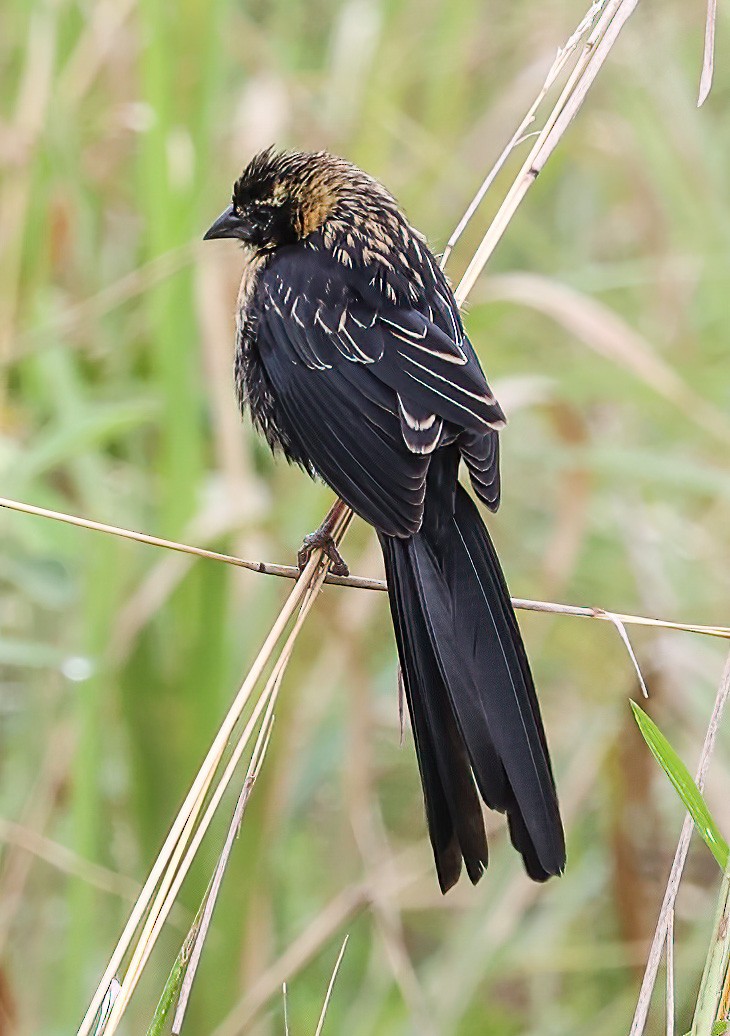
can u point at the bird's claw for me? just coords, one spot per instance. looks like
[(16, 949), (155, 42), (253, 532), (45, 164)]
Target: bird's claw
[(323, 541)]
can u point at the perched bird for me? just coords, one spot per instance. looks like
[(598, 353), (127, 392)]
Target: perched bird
[(352, 361)]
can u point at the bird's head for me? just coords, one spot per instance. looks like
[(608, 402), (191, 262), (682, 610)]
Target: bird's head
[(282, 196)]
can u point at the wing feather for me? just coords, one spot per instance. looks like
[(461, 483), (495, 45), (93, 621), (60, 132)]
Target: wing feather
[(334, 345)]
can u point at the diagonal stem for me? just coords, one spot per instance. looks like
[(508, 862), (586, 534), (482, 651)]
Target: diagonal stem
[(181, 830), (667, 908)]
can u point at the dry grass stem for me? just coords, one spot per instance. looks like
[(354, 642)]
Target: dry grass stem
[(708, 1007), (666, 912), (66, 860), (165, 867), (254, 768), (36, 814), (670, 973), (708, 57), (330, 987), (391, 878), (358, 582), (88, 312), (106, 1006), (608, 335), (177, 867), (618, 623), (394, 876), (520, 134), (92, 50), (597, 47), (724, 1008)]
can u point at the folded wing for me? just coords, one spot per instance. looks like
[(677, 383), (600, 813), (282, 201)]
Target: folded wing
[(371, 388)]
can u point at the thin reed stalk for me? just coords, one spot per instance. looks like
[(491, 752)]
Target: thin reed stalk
[(601, 40), (183, 830), (666, 912), (269, 568)]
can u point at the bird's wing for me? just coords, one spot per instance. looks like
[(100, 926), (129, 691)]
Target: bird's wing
[(369, 388)]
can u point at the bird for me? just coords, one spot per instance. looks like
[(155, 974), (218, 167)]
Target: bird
[(352, 361)]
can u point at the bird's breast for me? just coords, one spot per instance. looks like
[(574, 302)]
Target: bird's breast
[(251, 271)]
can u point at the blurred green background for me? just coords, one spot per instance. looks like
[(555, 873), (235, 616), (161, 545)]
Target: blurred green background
[(602, 323)]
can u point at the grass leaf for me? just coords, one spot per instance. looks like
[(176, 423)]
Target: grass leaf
[(172, 988), (685, 787)]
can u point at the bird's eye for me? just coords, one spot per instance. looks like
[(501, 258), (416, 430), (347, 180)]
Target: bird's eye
[(261, 215)]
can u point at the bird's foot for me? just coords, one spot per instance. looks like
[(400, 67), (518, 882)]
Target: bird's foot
[(322, 540)]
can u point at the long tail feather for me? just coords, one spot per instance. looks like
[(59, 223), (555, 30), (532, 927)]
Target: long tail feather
[(452, 806), (470, 693)]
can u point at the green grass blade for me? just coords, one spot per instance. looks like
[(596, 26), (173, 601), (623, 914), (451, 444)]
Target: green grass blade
[(685, 787), (172, 988), (705, 1022)]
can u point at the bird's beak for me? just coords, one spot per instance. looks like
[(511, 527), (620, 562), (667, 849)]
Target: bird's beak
[(228, 224)]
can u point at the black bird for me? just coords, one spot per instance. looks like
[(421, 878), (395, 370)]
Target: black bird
[(353, 362)]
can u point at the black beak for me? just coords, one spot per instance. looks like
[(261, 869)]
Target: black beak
[(228, 224)]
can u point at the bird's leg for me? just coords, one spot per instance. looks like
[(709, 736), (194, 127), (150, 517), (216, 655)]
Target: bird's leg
[(322, 539)]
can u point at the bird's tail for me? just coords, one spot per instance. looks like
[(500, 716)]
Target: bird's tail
[(470, 695)]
